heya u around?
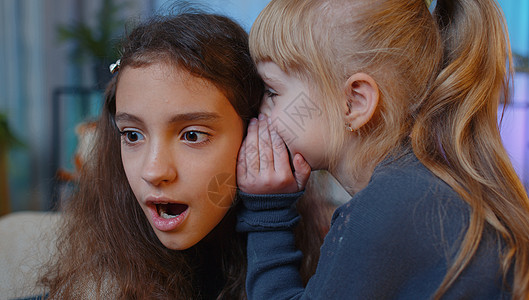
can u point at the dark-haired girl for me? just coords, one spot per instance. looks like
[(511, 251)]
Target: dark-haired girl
[(153, 215)]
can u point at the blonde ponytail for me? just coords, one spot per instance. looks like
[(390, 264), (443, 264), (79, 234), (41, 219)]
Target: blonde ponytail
[(457, 137)]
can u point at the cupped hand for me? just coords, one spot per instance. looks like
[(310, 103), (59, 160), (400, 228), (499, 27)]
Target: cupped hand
[(263, 166)]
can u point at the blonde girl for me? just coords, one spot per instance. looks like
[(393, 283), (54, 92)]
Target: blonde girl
[(400, 105)]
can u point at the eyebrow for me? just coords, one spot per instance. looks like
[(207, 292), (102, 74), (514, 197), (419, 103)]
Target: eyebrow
[(270, 78), (192, 116), (272, 81)]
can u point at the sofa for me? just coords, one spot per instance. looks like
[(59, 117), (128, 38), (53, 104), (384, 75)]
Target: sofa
[(27, 240)]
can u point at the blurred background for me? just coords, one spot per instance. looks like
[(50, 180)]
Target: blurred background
[(54, 58)]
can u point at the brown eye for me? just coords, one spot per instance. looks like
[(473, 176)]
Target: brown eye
[(195, 137), (131, 137), (191, 136)]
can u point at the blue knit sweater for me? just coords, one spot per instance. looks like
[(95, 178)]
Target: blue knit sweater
[(393, 240)]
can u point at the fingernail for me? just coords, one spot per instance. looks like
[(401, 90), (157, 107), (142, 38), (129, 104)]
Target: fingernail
[(269, 121), (253, 121), (261, 116)]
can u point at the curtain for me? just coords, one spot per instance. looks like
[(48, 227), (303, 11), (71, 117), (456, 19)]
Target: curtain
[(23, 99)]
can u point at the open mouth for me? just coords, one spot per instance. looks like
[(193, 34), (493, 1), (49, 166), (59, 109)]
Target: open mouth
[(170, 210)]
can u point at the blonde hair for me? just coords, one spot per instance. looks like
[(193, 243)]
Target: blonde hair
[(338, 44), (441, 79)]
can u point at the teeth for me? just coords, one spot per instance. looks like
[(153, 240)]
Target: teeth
[(160, 208), (167, 216), (163, 212)]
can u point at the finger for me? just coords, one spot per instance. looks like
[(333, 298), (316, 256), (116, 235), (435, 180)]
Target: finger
[(301, 171), (251, 149), (241, 163), (280, 152), (265, 146)]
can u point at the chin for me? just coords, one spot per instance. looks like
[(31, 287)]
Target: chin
[(175, 244)]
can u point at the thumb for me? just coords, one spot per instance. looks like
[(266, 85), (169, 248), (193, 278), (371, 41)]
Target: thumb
[(301, 171)]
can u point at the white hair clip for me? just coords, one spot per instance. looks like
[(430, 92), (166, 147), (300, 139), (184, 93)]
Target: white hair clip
[(115, 66)]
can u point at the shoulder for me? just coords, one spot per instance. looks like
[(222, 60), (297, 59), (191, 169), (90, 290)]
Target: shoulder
[(406, 177), (402, 231), (405, 199), (405, 183)]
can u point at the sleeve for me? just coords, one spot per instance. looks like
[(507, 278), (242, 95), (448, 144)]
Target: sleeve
[(382, 244), (268, 212), (273, 260)]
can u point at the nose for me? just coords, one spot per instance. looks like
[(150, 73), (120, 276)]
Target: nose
[(266, 107), (159, 166)]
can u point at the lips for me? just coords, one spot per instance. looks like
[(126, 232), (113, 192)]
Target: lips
[(167, 216)]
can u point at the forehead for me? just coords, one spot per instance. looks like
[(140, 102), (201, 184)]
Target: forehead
[(164, 87), (161, 73), (270, 71), (272, 74)]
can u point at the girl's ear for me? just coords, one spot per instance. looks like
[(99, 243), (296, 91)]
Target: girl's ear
[(362, 96)]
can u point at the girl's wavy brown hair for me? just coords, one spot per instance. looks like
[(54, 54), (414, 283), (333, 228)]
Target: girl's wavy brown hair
[(107, 248)]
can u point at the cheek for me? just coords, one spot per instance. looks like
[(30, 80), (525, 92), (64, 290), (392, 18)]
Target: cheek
[(212, 185), (224, 162), (221, 190), (284, 124), (132, 170), (219, 172)]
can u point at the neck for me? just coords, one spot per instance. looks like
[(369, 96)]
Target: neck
[(209, 254), (351, 181), (351, 184), (218, 236)]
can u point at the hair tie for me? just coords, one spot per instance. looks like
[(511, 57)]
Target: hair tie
[(115, 66)]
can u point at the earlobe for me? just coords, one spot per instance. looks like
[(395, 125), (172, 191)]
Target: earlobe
[(362, 97)]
